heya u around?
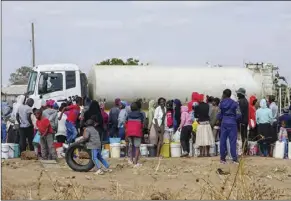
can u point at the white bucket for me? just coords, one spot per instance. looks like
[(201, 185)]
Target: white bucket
[(289, 150), (5, 151), (279, 150), (196, 150), (144, 150), (105, 153), (212, 150), (115, 150), (175, 150), (11, 150)]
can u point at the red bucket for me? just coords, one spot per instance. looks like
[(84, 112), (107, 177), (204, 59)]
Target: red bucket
[(58, 145)]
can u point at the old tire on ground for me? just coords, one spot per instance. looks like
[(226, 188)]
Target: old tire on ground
[(73, 164)]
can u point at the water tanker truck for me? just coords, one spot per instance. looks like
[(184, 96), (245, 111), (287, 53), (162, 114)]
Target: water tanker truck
[(105, 83)]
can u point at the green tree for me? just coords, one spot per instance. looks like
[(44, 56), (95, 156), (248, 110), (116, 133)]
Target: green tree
[(21, 76), (120, 62)]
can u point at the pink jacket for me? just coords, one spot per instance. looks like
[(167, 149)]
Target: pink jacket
[(185, 117)]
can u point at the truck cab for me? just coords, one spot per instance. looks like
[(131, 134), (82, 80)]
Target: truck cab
[(57, 82)]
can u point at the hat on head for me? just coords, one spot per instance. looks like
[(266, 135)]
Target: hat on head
[(241, 91)]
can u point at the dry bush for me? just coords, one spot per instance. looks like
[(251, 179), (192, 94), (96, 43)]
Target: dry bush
[(28, 155)]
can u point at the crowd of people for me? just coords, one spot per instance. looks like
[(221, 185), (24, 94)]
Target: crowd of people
[(205, 120)]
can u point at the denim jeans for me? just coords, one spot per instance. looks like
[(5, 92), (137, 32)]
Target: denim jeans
[(71, 132), (96, 157)]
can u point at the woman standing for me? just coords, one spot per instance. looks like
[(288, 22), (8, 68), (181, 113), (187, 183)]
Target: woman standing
[(95, 114), (204, 135), (186, 130), (158, 128), (105, 117), (177, 114), (264, 119)]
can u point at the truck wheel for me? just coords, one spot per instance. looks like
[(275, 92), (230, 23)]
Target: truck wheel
[(73, 164)]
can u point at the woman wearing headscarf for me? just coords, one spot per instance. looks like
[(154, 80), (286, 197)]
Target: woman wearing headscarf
[(151, 113), (95, 114), (177, 114), (204, 135), (264, 119), (19, 101), (121, 120)]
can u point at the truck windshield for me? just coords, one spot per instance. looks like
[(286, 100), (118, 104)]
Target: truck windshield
[(31, 82)]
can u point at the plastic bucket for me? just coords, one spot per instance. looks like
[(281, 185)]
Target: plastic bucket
[(122, 150), (11, 152), (144, 150), (175, 150), (114, 140), (165, 150), (105, 153), (5, 151), (115, 150), (152, 150)]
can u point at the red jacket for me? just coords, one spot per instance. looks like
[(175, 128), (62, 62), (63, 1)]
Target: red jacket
[(134, 124), (252, 111)]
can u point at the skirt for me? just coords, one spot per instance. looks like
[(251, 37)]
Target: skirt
[(204, 134)]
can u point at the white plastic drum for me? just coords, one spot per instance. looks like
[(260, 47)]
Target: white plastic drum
[(4, 151), (175, 150), (279, 150), (289, 150)]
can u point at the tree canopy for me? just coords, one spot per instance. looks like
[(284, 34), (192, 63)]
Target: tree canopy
[(21, 76), (120, 62)]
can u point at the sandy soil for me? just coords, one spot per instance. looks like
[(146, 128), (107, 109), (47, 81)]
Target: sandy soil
[(175, 178)]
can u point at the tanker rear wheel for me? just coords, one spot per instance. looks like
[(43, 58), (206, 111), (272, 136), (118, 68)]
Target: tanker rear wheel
[(73, 153)]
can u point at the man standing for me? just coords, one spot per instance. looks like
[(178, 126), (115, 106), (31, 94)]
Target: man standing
[(23, 118), (243, 124)]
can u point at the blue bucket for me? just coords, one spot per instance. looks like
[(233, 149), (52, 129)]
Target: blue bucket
[(114, 140)]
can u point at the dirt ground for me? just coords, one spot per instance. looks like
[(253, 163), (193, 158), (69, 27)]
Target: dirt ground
[(173, 178)]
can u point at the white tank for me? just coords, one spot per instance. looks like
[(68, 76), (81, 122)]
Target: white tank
[(152, 82)]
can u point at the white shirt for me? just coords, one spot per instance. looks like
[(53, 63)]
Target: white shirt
[(62, 125), (158, 115)]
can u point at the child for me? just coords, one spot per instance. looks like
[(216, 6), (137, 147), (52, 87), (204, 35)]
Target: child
[(134, 125), (61, 134), (283, 137), (46, 136), (92, 137)]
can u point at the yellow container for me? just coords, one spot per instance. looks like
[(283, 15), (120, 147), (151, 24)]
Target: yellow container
[(107, 146), (165, 151)]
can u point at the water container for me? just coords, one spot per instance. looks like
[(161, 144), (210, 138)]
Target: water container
[(115, 150), (152, 150), (5, 151), (212, 150), (12, 150), (114, 140), (217, 144), (105, 153), (196, 150), (253, 148), (122, 150), (167, 138), (289, 150), (176, 150), (191, 148), (279, 150), (144, 150), (165, 150)]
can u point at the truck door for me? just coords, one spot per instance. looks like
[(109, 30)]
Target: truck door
[(73, 87)]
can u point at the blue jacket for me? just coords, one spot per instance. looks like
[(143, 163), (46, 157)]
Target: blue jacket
[(229, 112), (264, 114)]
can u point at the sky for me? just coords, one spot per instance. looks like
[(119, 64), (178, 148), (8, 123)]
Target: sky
[(160, 33)]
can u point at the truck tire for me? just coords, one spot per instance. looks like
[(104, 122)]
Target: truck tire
[(73, 164)]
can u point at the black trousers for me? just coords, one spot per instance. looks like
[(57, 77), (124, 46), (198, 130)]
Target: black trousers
[(186, 133), (25, 133), (244, 136)]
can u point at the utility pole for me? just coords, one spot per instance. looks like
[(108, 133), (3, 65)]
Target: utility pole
[(32, 44)]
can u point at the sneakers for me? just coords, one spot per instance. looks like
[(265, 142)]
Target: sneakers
[(222, 162), (235, 162), (99, 172), (130, 162), (185, 154), (107, 170), (137, 165)]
